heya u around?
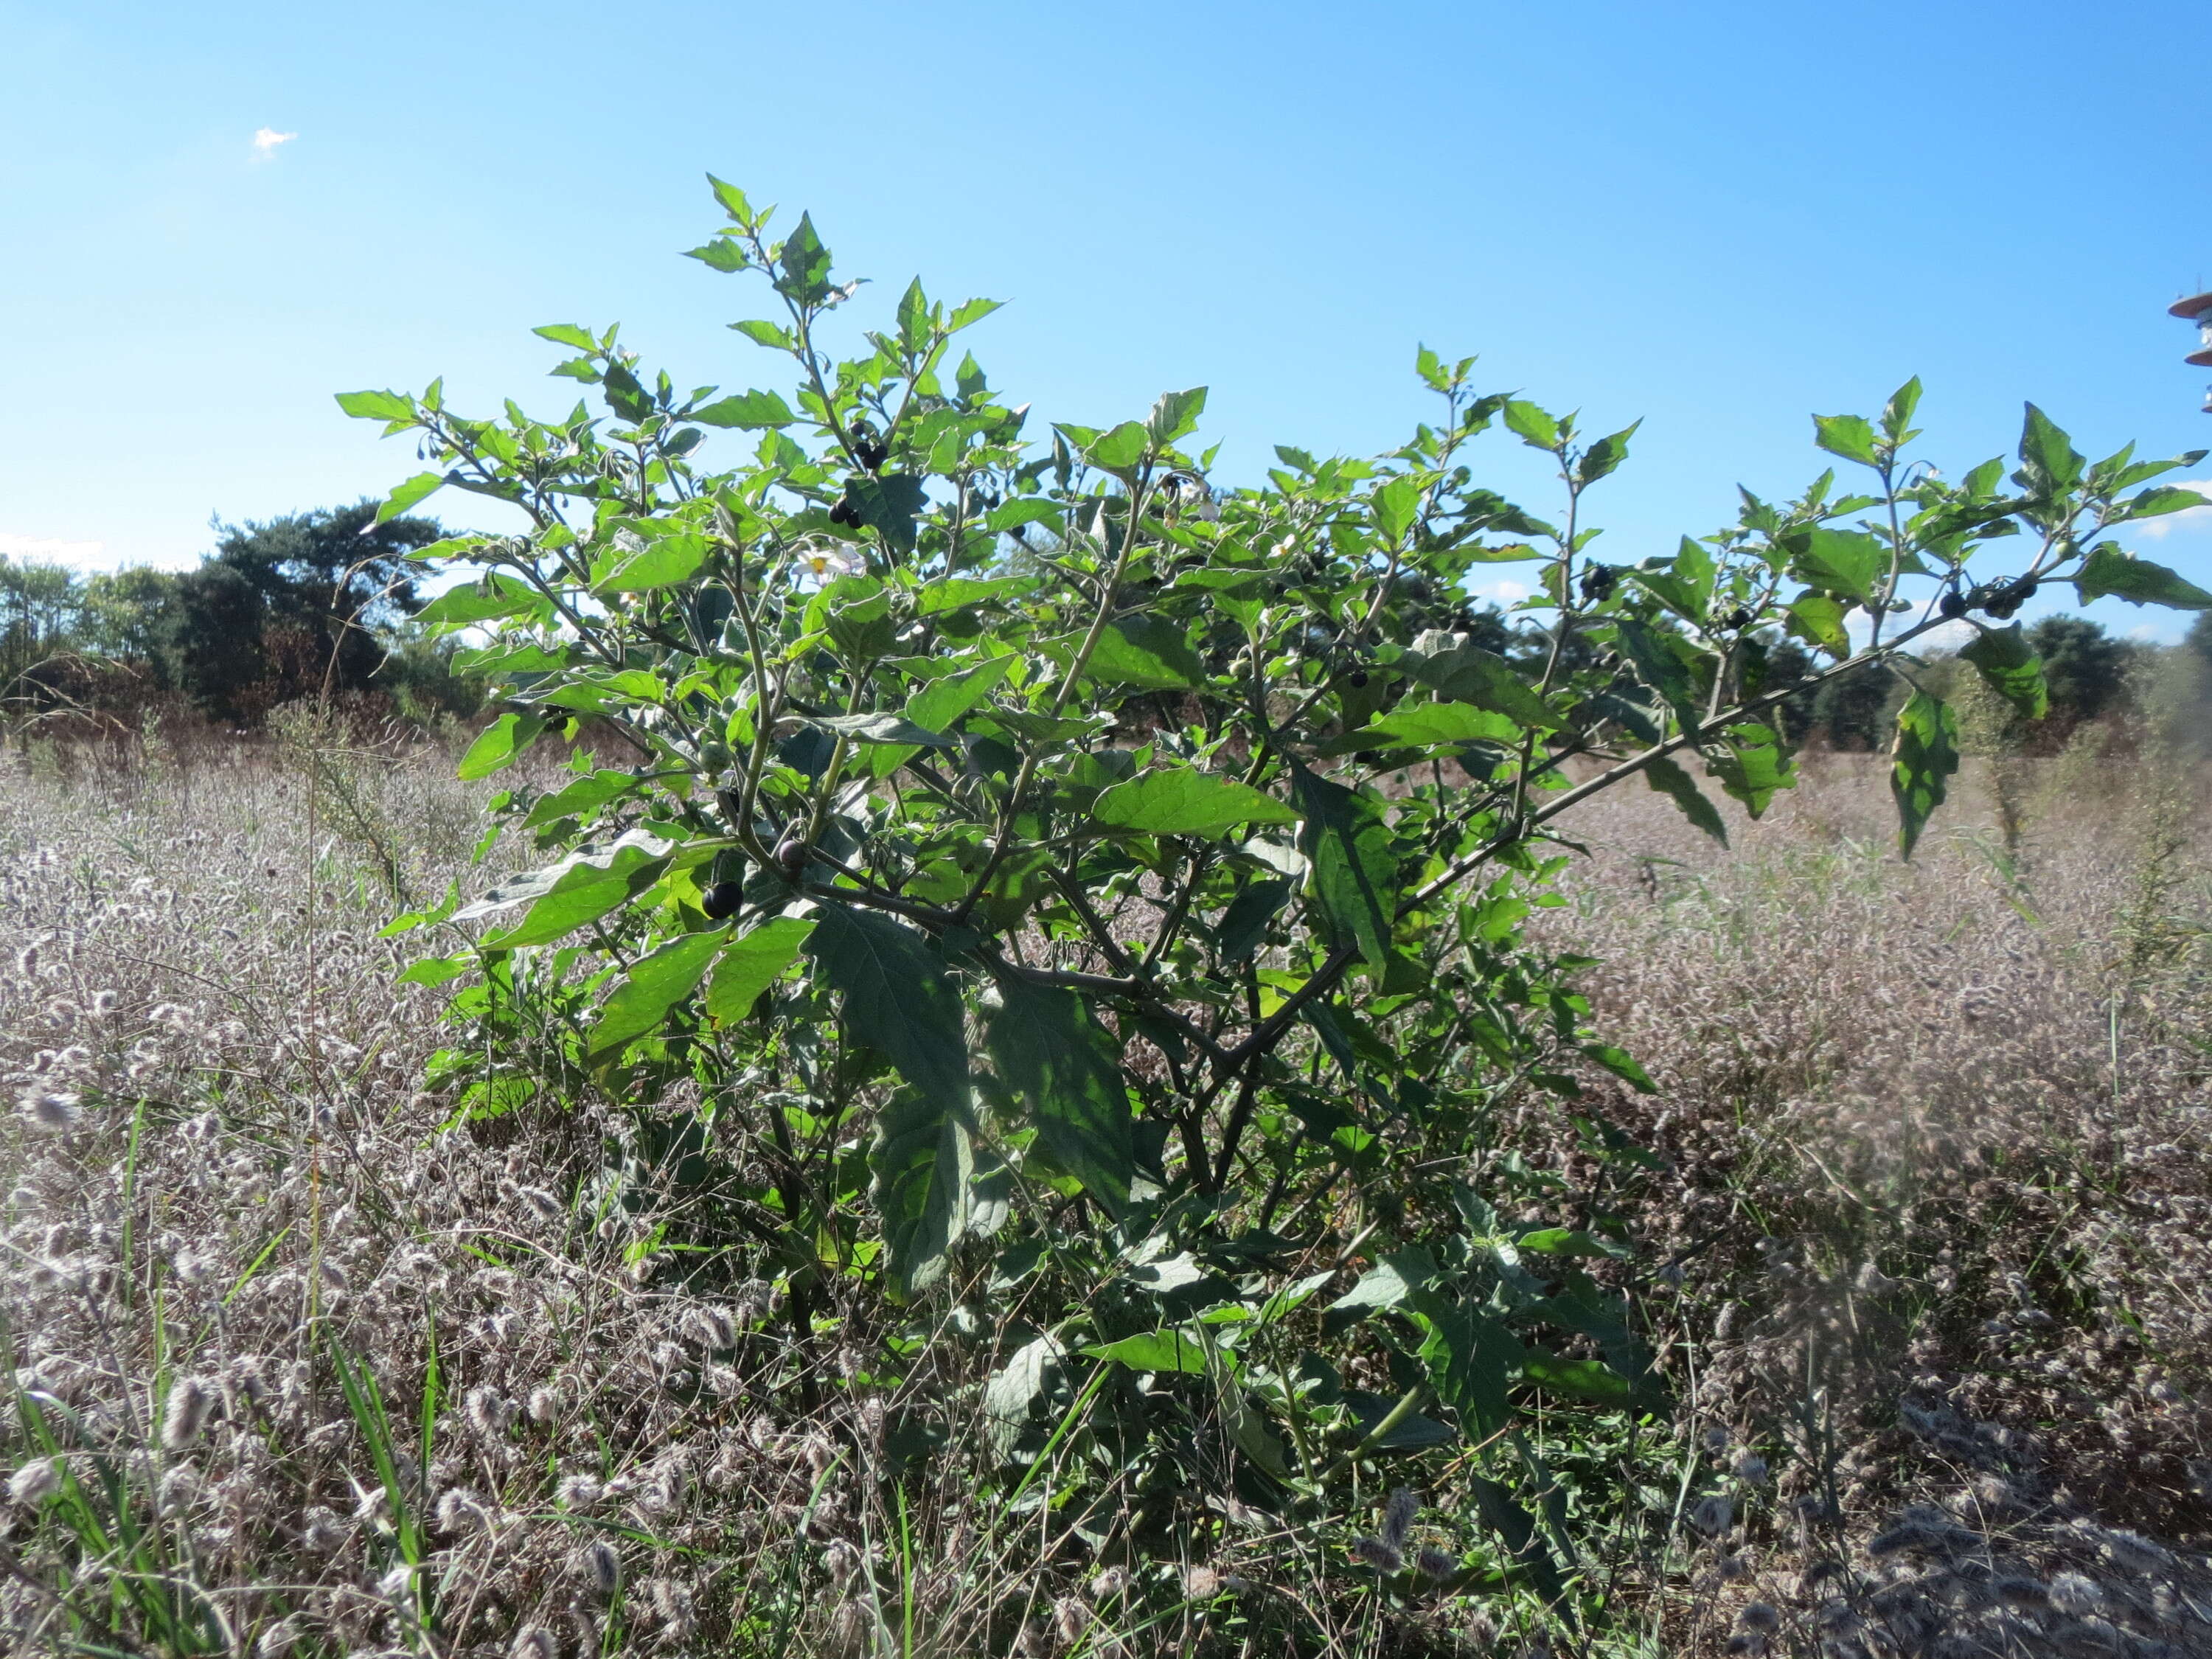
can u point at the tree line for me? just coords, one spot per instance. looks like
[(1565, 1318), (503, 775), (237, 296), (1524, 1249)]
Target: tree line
[(307, 604)]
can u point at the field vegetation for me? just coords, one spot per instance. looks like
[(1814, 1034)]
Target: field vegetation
[(1000, 1048)]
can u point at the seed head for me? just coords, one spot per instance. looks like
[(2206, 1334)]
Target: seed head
[(544, 1403), (1070, 1619), (460, 1512), (601, 1567), (1200, 1583), (1398, 1516), (1713, 1516), (535, 1642), (843, 1561), (278, 1640), (35, 1482), (1112, 1583), (1435, 1563), (190, 1402), (577, 1491), (1378, 1555), (51, 1110), (1758, 1617)]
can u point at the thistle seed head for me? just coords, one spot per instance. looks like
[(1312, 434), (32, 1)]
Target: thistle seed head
[(35, 1482), (601, 1568), (1378, 1555), (190, 1402), (1398, 1517)]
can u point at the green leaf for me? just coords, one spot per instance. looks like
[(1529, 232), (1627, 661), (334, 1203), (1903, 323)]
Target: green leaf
[(663, 561), (1182, 801), (1155, 1351), (568, 334), (898, 997), (1897, 413), (1426, 724), (2011, 668), (586, 795), (1174, 415), (878, 729), (1579, 1379), (655, 983), (733, 202), (1471, 1360), (563, 896), (804, 265), (1848, 436), (748, 411), (377, 406), (1244, 923), (890, 505), (774, 337), (1065, 1070), (1847, 561), (1618, 1061), (752, 962), (1148, 651), (1394, 505), (1604, 455), (724, 253), (1469, 673), (459, 607), (2108, 570), (1536, 429), (1818, 620), (1924, 756), (2167, 498), (625, 394), (938, 705), (417, 489), (1678, 786), (1751, 764), (499, 744), (923, 1162), (1011, 1394), (1119, 450), (1658, 668), (1354, 880), (2046, 454)]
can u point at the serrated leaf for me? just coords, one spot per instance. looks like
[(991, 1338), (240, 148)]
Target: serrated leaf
[(2009, 666), (1471, 1360), (1394, 504), (752, 962), (1679, 787), (468, 603), (1118, 450), (1817, 620), (750, 411), (2046, 454), (897, 997), (1658, 668), (1848, 436), (923, 1161), (724, 253), (1533, 426), (564, 896), (663, 561), (1604, 455), (1752, 763), (568, 334), (1924, 755), (1066, 1071), (2108, 570), (1426, 724), (1469, 673), (1847, 561), (1174, 415), (939, 705), (1183, 801)]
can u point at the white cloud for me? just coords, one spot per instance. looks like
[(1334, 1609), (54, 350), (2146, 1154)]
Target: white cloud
[(2189, 519), (265, 140), (53, 549), (1503, 592)]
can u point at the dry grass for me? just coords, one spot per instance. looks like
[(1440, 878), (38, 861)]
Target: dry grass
[(1936, 1212)]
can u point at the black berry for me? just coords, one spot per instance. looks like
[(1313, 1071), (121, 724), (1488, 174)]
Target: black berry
[(1359, 678), (1951, 604), (722, 899)]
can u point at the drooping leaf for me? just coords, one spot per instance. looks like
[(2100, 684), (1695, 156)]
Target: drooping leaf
[(1394, 504), (923, 1162), (1658, 668), (1818, 620), (1679, 787), (938, 705), (1119, 450), (2010, 667), (1182, 801), (1354, 881), (1244, 923), (1751, 763), (1426, 724), (890, 505), (752, 962), (1065, 1070), (641, 565), (1011, 1394), (2109, 570), (1469, 673), (1471, 1360), (581, 888), (898, 997), (1923, 758), (656, 983), (1390, 1283)]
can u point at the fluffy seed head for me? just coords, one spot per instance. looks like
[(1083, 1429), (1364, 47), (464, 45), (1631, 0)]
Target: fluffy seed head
[(1378, 1555), (190, 1402), (1070, 1619), (1200, 1583), (1713, 1514), (1758, 1617), (35, 1482), (602, 1567), (535, 1642), (51, 1110), (1398, 1516), (1436, 1563)]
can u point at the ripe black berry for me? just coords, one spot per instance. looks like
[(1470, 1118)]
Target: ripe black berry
[(871, 455), (722, 899), (1951, 604), (1359, 678), (845, 512), (1738, 618), (1598, 580)]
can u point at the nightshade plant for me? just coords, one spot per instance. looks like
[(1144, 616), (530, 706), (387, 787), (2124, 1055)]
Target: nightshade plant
[(1055, 880)]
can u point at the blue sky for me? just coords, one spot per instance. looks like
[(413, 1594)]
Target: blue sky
[(1717, 217)]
